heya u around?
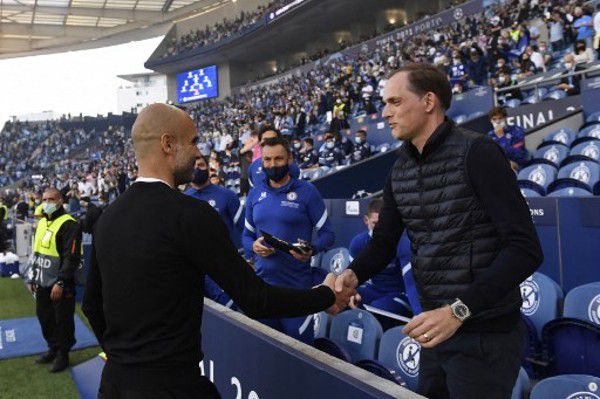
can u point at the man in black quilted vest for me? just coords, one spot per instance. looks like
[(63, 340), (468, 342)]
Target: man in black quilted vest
[(472, 239)]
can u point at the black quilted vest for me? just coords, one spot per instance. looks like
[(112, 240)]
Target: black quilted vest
[(453, 239)]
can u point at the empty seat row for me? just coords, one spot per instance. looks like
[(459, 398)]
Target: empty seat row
[(579, 178)]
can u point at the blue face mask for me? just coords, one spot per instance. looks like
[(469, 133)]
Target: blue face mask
[(277, 173), (200, 176), (49, 208)]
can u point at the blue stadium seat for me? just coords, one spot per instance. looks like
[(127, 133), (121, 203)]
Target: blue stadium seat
[(529, 193), (583, 303), (512, 103), (590, 131), (537, 177), (380, 370), (571, 192), (574, 386), (552, 154), (335, 260), (401, 353), (384, 147), (321, 323), (522, 386), (563, 136), (583, 174), (476, 115), (595, 117), (542, 299), (358, 332), (532, 99), (328, 346), (586, 150)]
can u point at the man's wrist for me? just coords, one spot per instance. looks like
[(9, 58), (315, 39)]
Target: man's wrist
[(460, 310)]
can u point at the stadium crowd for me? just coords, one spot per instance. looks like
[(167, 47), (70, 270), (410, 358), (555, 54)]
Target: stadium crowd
[(497, 48)]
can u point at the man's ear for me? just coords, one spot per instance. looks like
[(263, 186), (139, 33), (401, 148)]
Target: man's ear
[(168, 143), (429, 101)]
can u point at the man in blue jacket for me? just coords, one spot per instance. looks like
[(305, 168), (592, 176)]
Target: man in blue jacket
[(289, 209)]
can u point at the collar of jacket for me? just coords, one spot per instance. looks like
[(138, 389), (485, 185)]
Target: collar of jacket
[(434, 141)]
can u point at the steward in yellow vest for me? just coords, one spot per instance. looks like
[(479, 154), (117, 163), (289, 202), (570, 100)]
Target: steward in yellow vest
[(3, 211), (51, 278)]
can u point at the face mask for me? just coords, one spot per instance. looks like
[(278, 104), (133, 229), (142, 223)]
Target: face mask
[(568, 65), (501, 79), (330, 144), (277, 173), (498, 125), (297, 145), (49, 208), (359, 140), (200, 176)]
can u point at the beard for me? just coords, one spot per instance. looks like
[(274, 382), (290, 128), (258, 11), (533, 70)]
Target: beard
[(184, 171)]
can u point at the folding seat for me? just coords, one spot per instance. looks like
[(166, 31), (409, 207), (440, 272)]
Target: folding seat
[(563, 136), (458, 119), (335, 260), (590, 131), (522, 386), (595, 117), (571, 192), (537, 177), (574, 386), (572, 343), (555, 95), (529, 193), (582, 174), (400, 353), (552, 154), (585, 150), (512, 103), (358, 332), (476, 115)]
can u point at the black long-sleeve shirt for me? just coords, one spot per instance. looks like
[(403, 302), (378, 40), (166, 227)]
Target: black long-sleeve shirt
[(495, 185), (152, 248)]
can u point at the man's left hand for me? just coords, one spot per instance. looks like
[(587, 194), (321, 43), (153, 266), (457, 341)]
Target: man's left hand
[(433, 327), (56, 292), (303, 257)]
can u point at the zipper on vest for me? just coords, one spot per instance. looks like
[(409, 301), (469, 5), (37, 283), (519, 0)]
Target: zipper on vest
[(420, 183)]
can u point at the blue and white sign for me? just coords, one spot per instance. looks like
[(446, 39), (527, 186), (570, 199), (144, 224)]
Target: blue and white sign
[(199, 84)]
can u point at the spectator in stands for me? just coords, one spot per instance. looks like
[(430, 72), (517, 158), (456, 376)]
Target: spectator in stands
[(545, 52), (556, 31), (296, 147), (3, 211), (330, 155), (290, 209), (510, 137), (385, 290), (584, 26), (477, 68), (583, 53), (570, 83), (536, 57), (526, 66), (362, 149), (22, 208), (308, 156), (468, 262), (92, 213), (457, 69)]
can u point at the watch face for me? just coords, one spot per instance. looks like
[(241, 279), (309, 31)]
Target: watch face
[(461, 311)]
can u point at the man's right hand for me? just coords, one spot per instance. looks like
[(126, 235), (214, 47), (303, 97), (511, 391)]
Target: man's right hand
[(32, 288), (342, 297), (260, 249)]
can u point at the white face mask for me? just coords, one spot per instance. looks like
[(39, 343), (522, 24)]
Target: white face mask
[(499, 125), (568, 65), (330, 144), (49, 208)]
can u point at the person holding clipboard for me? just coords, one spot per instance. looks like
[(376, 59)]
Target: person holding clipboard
[(281, 213)]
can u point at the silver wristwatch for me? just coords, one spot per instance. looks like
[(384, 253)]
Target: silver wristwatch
[(460, 310)]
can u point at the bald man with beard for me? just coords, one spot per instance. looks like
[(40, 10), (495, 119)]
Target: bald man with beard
[(152, 249)]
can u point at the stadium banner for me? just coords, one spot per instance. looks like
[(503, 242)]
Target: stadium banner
[(248, 360), (543, 211), (534, 115), (590, 93), (272, 16), (436, 21)]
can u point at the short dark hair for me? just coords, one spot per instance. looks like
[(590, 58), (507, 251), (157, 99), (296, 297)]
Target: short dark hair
[(277, 141), (267, 128), (374, 206), (363, 131), (309, 140), (424, 78), (497, 111)]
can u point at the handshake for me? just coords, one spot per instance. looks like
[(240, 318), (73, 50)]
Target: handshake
[(344, 288)]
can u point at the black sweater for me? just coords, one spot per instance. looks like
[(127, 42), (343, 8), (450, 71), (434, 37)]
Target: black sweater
[(495, 185), (144, 295)]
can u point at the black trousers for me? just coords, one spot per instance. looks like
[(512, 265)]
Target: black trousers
[(56, 318), (472, 365), (200, 388)]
